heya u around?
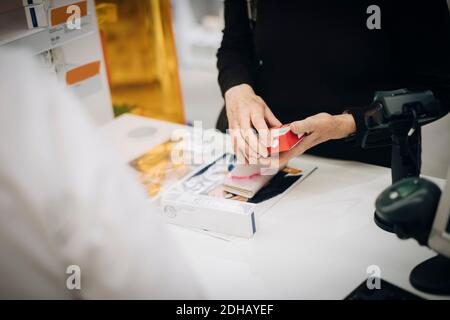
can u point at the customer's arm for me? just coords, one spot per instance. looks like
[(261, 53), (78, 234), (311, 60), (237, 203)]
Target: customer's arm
[(236, 55), (236, 63)]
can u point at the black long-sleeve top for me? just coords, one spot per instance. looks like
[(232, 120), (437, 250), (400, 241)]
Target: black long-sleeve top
[(309, 56)]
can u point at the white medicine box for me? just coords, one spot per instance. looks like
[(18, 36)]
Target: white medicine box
[(201, 200)]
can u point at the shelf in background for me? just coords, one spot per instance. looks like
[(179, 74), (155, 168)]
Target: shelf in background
[(13, 26), (15, 33)]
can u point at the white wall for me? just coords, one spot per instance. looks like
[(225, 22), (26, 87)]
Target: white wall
[(436, 147)]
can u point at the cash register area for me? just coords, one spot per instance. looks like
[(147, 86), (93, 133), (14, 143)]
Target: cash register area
[(312, 238)]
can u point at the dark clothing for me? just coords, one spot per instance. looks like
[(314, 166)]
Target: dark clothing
[(304, 57)]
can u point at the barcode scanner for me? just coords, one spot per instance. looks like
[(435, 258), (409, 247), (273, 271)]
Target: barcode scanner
[(409, 206), (395, 118)]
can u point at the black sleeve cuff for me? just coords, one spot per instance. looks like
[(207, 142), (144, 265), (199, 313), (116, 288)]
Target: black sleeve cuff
[(358, 114), (234, 77)]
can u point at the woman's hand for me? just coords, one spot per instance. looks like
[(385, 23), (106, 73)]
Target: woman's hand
[(246, 111), (319, 128)]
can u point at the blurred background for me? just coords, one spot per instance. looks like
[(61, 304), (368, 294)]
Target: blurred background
[(161, 57), (198, 28)]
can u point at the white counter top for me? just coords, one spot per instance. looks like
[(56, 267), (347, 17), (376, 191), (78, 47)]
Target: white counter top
[(316, 243)]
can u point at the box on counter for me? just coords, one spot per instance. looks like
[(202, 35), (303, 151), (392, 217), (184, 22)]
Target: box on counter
[(229, 217), (201, 200)]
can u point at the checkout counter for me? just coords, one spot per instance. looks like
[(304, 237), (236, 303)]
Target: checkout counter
[(318, 242)]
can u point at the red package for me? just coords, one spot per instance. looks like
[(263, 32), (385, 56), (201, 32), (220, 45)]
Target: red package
[(283, 139)]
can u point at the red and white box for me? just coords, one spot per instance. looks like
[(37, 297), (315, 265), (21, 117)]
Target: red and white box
[(283, 139)]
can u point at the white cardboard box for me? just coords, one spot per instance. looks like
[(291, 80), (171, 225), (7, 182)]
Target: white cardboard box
[(229, 217), (194, 201)]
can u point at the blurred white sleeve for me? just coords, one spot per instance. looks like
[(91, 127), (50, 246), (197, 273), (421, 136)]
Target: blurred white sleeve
[(65, 199)]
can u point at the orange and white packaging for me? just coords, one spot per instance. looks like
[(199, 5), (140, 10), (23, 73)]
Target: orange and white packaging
[(283, 139)]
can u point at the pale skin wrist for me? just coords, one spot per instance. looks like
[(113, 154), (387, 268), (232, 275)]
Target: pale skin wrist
[(240, 89), (320, 128), (346, 125)]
